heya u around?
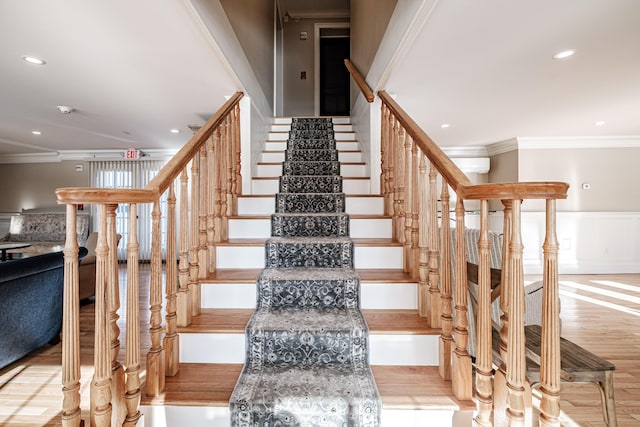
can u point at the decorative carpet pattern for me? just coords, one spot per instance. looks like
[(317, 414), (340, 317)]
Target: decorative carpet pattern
[(307, 361)]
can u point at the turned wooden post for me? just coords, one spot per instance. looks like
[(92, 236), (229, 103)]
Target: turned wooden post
[(408, 204), (211, 203), (434, 273), (550, 344), (132, 351), (218, 191), (516, 362), (461, 361), (101, 384), (222, 176), (384, 144), (119, 409), (399, 200), (194, 268), (415, 214), (184, 295), (446, 318), (484, 355), (423, 241), (203, 204), (71, 414), (230, 155), (395, 153), (171, 341), (156, 356), (238, 143)]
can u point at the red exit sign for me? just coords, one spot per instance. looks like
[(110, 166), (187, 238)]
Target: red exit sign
[(132, 154)]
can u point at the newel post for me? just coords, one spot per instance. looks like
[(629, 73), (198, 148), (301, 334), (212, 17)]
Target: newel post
[(71, 326)]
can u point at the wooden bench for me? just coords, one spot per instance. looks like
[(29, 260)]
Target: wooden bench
[(577, 364)]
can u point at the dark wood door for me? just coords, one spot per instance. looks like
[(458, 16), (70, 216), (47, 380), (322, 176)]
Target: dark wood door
[(334, 77)]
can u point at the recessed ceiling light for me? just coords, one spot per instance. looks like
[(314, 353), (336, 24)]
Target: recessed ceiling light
[(174, 130), (36, 132), (599, 123), (33, 60), (564, 54), (445, 125)]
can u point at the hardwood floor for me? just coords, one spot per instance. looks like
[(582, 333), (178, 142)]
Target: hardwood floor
[(600, 313)]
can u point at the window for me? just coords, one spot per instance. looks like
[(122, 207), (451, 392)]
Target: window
[(130, 174)]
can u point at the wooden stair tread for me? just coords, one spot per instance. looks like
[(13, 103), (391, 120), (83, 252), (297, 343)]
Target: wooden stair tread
[(249, 275), (234, 320), (400, 387), (268, 216)]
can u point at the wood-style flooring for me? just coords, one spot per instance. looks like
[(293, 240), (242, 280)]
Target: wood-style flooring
[(600, 313)]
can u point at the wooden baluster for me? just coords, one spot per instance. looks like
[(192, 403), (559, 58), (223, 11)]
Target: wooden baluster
[(171, 342), (194, 269), (119, 409), (222, 175), (415, 212), (229, 154), (211, 206), (203, 204), (516, 363), (500, 377), (434, 273), (461, 361), (101, 383), (184, 295), (399, 200), (484, 356), (71, 414), (389, 173), (156, 356), (446, 337), (550, 344), (238, 187), (219, 168), (408, 204), (394, 175), (423, 241), (384, 141), (132, 351)]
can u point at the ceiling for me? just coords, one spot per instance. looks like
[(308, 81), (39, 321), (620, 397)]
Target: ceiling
[(486, 69), (131, 70), (134, 70)]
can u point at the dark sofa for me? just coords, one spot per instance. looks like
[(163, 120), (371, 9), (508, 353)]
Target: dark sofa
[(31, 292)]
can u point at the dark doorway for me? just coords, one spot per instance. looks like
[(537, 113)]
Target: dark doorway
[(334, 77)]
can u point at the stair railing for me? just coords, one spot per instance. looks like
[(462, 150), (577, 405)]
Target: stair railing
[(204, 208), (360, 81), (411, 166)]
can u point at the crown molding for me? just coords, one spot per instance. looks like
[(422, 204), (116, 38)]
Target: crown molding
[(319, 14), (465, 151), (64, 155), (502, 147), (573, 142)]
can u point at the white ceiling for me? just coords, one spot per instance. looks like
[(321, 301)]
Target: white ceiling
[(144, 67), (486, 68), (132, 70)]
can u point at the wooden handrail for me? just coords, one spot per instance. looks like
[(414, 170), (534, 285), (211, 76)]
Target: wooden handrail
[(360, 81), (458, 180), (160, 183)]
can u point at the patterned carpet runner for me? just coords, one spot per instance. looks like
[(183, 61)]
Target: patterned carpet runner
[(307, 358)]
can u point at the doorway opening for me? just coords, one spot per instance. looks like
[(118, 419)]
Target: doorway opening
[(332, 77)]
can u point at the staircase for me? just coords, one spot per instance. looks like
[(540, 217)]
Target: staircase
[(403, 349)]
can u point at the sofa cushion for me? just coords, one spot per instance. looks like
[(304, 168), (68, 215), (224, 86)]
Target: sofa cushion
[(45, 227)]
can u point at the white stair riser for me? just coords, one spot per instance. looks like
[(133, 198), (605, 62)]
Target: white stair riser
[(349, 186), (343, 156), (335, 120), (353, 205), (281, 145), (382, 296), (253, 257), (220, 416), (275, 170), (240, 228), (286, 127), (339, 136), (396, 350)]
